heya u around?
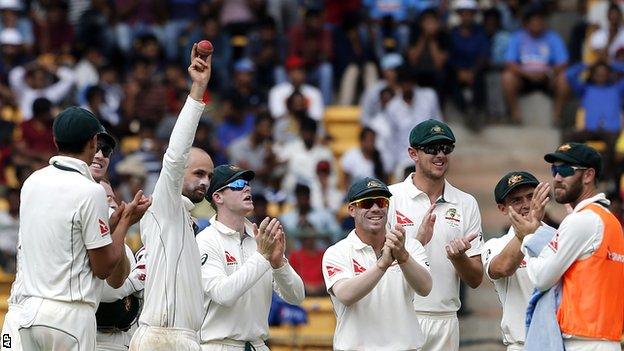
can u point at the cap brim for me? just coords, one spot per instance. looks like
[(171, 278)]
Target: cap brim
[(108, 139), (557, 156), (516, 186), (436, 138), (371, 193), (246, 174)]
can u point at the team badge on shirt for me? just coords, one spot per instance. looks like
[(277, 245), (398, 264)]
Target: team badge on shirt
[(103, 227), (229, 259), (554, 243), (522, 264), (452, 217), (403, 220), (331, 270), (357, 267)]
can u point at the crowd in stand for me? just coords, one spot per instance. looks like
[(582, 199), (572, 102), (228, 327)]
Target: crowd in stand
[(277, 65)]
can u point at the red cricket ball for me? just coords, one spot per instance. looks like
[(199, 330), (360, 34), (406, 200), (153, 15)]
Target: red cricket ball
[(204, 48)]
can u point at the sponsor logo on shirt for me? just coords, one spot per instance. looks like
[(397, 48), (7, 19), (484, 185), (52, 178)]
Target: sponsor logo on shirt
[(331, 270), (403, 220), (452, 215), (229, 259), (613, 256), (554, 243), (103, 227), (522, 264), (357, 267)]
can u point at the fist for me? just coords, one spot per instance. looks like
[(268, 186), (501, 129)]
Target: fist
[(204, 48)]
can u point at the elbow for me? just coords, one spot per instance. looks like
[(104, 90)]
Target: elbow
[(424, 290), (101, 273), (115, 283)]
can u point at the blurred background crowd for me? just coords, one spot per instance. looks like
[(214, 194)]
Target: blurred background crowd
[(279, 66)]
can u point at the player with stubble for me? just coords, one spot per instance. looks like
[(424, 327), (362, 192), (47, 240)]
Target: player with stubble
[(455, 250), (172, 311)]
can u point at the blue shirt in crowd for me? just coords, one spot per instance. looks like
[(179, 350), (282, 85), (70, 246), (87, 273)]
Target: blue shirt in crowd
[(602, 103), (536, 54), (467, 50)]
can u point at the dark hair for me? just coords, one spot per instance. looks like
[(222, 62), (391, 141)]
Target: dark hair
[(593, 68), (533, 11), (494, 13), (41, 105), (302, 189), (614, 7), (308, 124), (93, 91), (263, 116), (259, 198), (377, 163), (72, 148), (289, 100)]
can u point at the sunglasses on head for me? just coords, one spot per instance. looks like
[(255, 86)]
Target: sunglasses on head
[(564, 170), (106, 149), (369, 202), (237, 185), (434, 149)]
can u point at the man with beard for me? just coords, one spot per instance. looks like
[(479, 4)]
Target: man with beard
[(503, 262), (457, 231), (373, 274), (173, 293), (242, 264), (586, 253)]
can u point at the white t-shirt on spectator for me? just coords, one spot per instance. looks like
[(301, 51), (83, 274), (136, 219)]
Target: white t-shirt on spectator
[(600, 40), (280, 93)]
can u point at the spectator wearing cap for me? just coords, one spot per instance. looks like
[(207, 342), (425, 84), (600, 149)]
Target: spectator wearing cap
[(10, 17), (12, 51), (241, 265), (278, 95), (411, 106), (34, 142), (312, 41), (32, 81), (373, 275), (63, 198), (503, 262), (370, 101), (468, 58), (244, 87), (304, 216), (455, 249), (586, 254), (536, 58)]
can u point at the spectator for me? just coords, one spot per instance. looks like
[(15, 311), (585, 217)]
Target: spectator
[(11, 51), (113, 94), (312, 41), (181, 14), (307, 262), (145, 98), (297, 76), (54, 33), (370, 101), (135, 18), (254, 151), (9, 227), (302, 155), (380, 124), (363, 161), (354, 59), (304, 217), (236, 123), (412, 106), (86, 70), (324, 190), (390, 23), (535, 59), (268, 50), (243, 87), (428, 52), (33, 80), (34, 142), (95, 27), (10, 17), (468, 58), (609, 42), (286, 128), (497, 36)]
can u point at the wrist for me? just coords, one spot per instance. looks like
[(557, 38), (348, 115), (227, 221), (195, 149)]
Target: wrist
[(279, 264), (381, 266), (403, 257)]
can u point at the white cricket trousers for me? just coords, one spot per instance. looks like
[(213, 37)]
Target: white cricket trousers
[(59, 326), (591, 345), (148, 338), (232, 345), (11, 340), (112, 341), (515, 347), (440, 330)]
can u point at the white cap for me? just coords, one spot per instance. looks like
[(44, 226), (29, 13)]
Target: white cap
[(466, 5), (11, 36), (10, 5), (391, 61)]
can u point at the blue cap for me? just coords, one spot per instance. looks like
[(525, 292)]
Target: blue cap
[(244, 65), (391, 61)]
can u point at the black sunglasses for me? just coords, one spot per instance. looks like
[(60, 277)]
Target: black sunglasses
[(565, 170), (434, 149), (106, 149)]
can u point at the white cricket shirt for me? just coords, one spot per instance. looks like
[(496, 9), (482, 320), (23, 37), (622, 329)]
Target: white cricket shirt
[(238, 283), (513, 291), (457, 215), (173, 290), (63, 213), (384, 319)]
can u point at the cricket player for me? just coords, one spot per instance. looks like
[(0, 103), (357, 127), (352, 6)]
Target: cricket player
[(503, 262), (373, 274), (242, 265), (455, 250), (173, 297), (586, 254), (66, 246)]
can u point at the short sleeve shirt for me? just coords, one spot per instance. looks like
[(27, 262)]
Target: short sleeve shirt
[(536, 54), (457, 215), (384, 319)]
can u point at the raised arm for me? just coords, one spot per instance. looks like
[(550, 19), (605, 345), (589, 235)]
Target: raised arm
[(181, 140)]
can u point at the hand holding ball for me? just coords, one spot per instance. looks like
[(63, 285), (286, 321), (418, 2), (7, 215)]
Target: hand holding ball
[(204, 48)]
